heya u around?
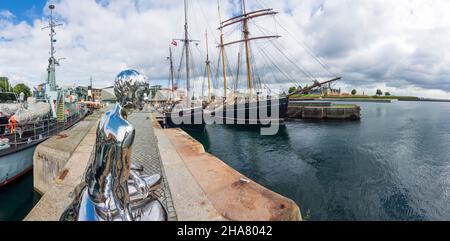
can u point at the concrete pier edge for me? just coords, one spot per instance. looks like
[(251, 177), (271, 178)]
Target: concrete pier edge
[(51, 156), (53, 203), (190, 169), (187, 195), (202, 187)]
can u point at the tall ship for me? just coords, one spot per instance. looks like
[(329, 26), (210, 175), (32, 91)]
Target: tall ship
[(191, 113), (26, 123), (248, 96), (246, 107), (254, 104)]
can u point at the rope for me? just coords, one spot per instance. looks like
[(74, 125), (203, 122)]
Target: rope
[(308, 51), (303, 44), (300, 68), (287, 76)]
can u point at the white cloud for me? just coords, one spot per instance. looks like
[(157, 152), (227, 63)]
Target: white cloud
[(6, 14), (398, 45)]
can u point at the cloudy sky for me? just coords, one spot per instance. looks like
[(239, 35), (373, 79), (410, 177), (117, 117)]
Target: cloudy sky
[(399, 46)]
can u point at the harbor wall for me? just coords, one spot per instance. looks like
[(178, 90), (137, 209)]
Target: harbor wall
[(51, 156), (324, 112), (233, 196), (203, 188), (60, 193)]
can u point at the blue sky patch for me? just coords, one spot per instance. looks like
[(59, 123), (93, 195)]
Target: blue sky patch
[(23, 10)]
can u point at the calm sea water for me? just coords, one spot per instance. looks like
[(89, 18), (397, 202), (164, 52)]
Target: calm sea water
[(17, 199), (394, 164)]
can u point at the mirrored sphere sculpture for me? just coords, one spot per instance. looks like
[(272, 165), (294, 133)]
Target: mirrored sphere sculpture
[(115, 189)]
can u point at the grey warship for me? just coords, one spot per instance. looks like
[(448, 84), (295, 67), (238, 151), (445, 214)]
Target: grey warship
[(25, 124)]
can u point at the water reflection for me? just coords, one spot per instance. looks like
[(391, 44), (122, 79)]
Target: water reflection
[(17, 199), (392, 165)]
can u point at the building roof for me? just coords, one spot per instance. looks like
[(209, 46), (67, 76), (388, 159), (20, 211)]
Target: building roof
[(163, 95), (108, 94)]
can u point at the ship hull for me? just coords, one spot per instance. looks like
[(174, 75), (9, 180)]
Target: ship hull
[(195, 120), (18, 161), (16, 164), (251, 113)]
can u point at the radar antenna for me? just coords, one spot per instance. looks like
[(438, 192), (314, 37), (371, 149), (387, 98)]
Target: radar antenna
[(52, 61)]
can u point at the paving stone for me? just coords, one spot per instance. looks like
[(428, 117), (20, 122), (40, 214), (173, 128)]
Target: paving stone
[(146, 153)]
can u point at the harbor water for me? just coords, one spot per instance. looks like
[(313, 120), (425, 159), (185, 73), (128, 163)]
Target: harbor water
[(18, 198), (394, 164)]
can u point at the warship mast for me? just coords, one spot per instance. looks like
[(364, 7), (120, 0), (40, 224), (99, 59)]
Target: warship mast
[(52, 61)]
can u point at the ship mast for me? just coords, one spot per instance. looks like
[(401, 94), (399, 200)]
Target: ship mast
[(186, 44), (244, 19), (208, 67), (171, 75), (186, 48), (247, 51), (52, 62), (222, 50)]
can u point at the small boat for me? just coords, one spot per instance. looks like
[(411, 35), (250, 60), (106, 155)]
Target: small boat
[(24, 125)]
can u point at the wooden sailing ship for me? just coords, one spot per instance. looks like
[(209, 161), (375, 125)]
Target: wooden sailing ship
[(247, 110), (190, 116), (250, 107)]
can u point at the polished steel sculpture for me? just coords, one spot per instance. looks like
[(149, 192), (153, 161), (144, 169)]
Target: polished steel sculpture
[(114, 189)]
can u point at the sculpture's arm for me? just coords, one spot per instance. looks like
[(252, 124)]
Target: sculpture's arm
[(121, 175), (95, 176)]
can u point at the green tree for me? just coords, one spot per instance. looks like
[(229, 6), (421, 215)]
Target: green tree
[(153, 90), (4, 84), (379, 92), (354, 92), (19, 88), (292, 89), (387, 94)]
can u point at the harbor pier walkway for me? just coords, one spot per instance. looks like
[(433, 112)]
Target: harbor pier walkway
[(196, 186), (146, 154)]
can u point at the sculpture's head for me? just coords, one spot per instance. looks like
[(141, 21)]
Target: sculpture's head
[(130, 88)]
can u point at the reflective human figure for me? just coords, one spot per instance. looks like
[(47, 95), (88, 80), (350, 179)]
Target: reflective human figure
[(114, 189)]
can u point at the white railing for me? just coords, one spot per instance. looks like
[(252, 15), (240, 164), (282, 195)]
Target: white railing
[(33, 131)]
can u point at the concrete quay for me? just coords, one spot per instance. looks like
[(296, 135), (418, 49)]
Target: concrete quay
[(196, 185), (59, 194), (51, 156), (221, 192), (205, 188), (322, 110)]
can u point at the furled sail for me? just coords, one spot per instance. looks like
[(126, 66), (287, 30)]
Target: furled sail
[(36, 111), (8, 109)]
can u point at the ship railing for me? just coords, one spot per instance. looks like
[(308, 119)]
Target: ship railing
[(35, 131)]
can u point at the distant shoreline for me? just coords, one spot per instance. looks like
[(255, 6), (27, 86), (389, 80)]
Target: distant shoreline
[(432, 100), (368, 98)]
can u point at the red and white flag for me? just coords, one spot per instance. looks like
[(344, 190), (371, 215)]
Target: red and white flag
[(174, 43)]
